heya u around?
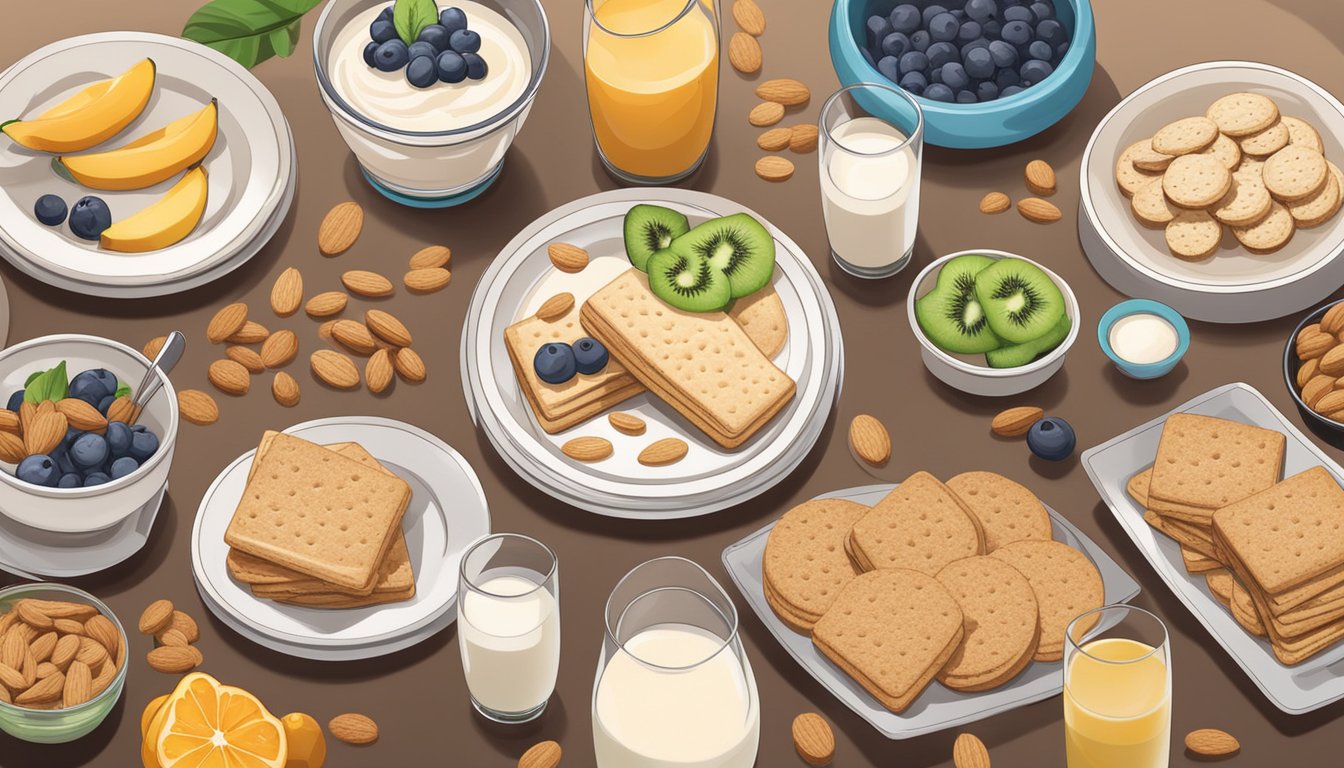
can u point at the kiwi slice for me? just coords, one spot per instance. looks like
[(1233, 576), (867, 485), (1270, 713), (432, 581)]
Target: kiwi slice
[(1015, 355), (950, 315), (649, 229), (738, 246), (1021, 302), (687, 281)]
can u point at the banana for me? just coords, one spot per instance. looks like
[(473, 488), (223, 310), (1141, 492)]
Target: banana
[(88, 118), (165, 222), (150, 159)]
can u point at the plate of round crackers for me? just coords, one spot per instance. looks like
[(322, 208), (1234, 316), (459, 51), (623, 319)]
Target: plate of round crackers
[(1215, 183), (971, 611)]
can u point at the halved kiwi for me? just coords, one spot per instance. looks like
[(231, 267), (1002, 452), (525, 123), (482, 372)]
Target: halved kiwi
[(1021, 302), (687, 281), (738, 246), (1015, 355), (649, 229), (950, 315)]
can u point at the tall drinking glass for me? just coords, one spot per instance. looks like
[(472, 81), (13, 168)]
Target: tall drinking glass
[(1117, 690), (508, 610), (872, 146), (674, 687), (652, 72)]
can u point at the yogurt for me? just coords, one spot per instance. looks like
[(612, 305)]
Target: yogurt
[(1143, 338)]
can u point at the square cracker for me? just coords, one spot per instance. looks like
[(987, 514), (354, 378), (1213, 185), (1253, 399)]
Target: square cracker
[(921, 525), (319, 513), (1204, 463), (1289, 535)]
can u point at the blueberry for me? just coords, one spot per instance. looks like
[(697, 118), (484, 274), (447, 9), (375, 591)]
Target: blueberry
[(1005, 55), (895, 44), (39, 469), (144, 445), (119, 439), (958, 14), (436, 35), (981, 10), (1061, 49), (387, 13), (941, 53), (421, 72), (96, 383), (979, 64), (89, 217), (992, 28), (1006, 77), (929, 12), (96, 478), (554, 363), (1010, 91), (914, 61), (936, 75), (1051, 439), (944, 26), (905, 18), (878, 28), (590, 355), (1041, 50), (391, 56), (15, 401), (465, 41), (123, 467), (89, 451), (921, 40), (371, 54), (452, 19), (954, 76), (50, 210), (970, 30), (421, 48), (973, 45), (476, 66), (62, 458), (105, 404), (914, 82), (451, 67), (1035, 71), (1052, 32), (1043, 10), (890, 68), (382, 30), (939, 92), (966, 97), (70, 480), (1017, 32), (987, 91), (1019, 13)]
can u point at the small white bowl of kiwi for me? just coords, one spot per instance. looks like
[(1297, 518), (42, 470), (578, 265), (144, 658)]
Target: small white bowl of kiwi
[(991, 322)]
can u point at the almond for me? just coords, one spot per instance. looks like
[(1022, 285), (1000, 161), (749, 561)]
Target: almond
[(1308, 331), (334, 369), (669, 450), (105, 677), (1308, 346), (229, 377), (121, 409), (326, 304), (378, 371), (287, 293), (251, 333), (587, 448), (65, 651), (803, 138), (427, 280), (47, 669), (1332, 322), (63, 609), (340, 228), (42, 647), (775, 139), (171, 637), (547, 754), (45, 690), (9, 421), (1330, 402), (362, 282), (387, 327), (774, 168), (354, 336), (813, 738), (353, 728), (182, 623), (78, 685), (1308, 371), (1211, 742), (27, 412), (408, 365), (197, 407), (46, 432), (1332, 362), (749, 17), (1040, 178), (154, 346), (995, 202), (968, 751), (30, 615), (280, 349), (285, 390), (173, 660), (566, 257), (100, 628), (156, 618), (626, 423), (226, 322), (785, 91), (12, 679), (1316, 389), (744, 53), (431, 257), (29, 666), (556, 307), (92, 653), (11, 448), (1038, 210), (1016, 422), (13, 648), (246, 357), (766, 113), (869, 440)]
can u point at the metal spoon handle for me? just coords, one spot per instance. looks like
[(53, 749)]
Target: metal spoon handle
[(168, 356)]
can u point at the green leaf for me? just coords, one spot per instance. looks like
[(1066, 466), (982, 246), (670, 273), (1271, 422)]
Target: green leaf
[(411, 16), (51, 384), (249, 31), (123, 389), (32, 377)]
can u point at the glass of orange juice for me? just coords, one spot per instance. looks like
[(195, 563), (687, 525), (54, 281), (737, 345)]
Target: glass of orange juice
[(1117, 690), (651, 68)]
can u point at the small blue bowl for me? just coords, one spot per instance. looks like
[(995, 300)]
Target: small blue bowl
[(976, 126), (1143, 307)]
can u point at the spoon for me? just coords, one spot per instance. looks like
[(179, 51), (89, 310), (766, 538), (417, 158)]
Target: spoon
[(169, 354)]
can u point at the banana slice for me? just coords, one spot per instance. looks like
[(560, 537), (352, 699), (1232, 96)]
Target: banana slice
[(91, 116), (150, 159), (165, 222)]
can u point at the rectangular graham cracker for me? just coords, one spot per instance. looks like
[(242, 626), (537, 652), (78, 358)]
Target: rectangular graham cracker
[(701, 363), (319, 513), (340, 601), (1198, 563), (1204, 463), (921, 524), (1289, 535)]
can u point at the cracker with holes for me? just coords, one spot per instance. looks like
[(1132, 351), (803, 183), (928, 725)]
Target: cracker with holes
[(1066, 585), (1204, 463), (921, 525), (1000, 619), (805, 565), (1006, 510)]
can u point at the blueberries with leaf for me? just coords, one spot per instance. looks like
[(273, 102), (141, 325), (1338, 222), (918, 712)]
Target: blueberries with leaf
[(430, 46)]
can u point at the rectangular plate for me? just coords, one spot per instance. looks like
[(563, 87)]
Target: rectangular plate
[(1295, 690), (937, 707)]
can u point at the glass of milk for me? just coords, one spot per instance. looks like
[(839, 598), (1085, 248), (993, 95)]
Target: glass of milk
[(673, 687), (508, 619), (872, 145)]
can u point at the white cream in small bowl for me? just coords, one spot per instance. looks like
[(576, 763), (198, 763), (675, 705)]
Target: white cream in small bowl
[(1145, 339)]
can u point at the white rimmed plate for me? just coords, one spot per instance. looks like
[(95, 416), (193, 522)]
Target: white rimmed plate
[(447, 512)]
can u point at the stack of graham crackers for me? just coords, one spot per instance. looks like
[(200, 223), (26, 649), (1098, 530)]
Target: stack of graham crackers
[(320, 526)]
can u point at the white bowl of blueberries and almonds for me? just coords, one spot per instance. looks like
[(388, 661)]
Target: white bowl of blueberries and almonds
[(71, 458)]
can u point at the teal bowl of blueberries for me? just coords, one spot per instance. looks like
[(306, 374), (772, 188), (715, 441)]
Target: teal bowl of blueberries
[(986, 73)]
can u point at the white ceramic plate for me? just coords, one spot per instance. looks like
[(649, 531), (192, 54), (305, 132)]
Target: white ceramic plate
[(447, 512), (938, 707), (709, 478), (35, 554), (250, 165), (1234, 285), (1296, 690)]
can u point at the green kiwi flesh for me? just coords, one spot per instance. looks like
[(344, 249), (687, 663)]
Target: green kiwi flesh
[(1015, 355), (688, 282), (1020, 301), (650, 229), (738, 246), (950, 315)]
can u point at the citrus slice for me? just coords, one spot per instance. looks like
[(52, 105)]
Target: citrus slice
[(208, 725), (307, 745)]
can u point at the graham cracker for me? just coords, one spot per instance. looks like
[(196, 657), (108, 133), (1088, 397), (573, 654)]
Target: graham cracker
[(1066, 584), (1220, 584), (1180, 534), (1288, 535), (805, 564), (338, 601), (761, 316), (919, 525), (1006, 510), (1000, 623), (1197, 563), (1204, 463), (892, 631), (1244, 611), (1137, 487)]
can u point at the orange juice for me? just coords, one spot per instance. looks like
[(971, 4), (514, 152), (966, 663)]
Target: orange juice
[(652, 96), (1117, 714)]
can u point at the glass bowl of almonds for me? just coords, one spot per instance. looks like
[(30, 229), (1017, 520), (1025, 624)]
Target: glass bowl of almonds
[(70, 652)]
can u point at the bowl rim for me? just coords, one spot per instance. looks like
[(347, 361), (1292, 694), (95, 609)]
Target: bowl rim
[(1071, 308), (1130, 307), (1290, 370), (118, 681), (166, 441)]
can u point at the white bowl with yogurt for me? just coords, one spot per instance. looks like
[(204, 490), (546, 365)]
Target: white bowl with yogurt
[(442, 145), (1145, 339)]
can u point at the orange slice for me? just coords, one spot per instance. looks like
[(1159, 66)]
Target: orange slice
[(307, 745), (208, 725)]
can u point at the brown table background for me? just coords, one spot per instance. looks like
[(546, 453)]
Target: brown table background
[(418, 696)]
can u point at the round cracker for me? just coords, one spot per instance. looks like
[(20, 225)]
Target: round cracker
[(1130, 178), (1253, 165), (1295, 173), (1066, 585), (1245, 203), (1145, 158), (1266, 142), (1225, 150), (805, 563), (1270, 233), (1151, 206), (1001, 620), (1319, 208), (1196, 181), (1193, 235), (1303, 134), (1191, 134), (1006, 509), (1242, 114)]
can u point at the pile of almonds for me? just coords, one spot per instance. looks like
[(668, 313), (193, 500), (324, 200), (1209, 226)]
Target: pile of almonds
[(38, 429), (1320, 379), (1040, 180), (57, 654), (777, 95), (174, 634)]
